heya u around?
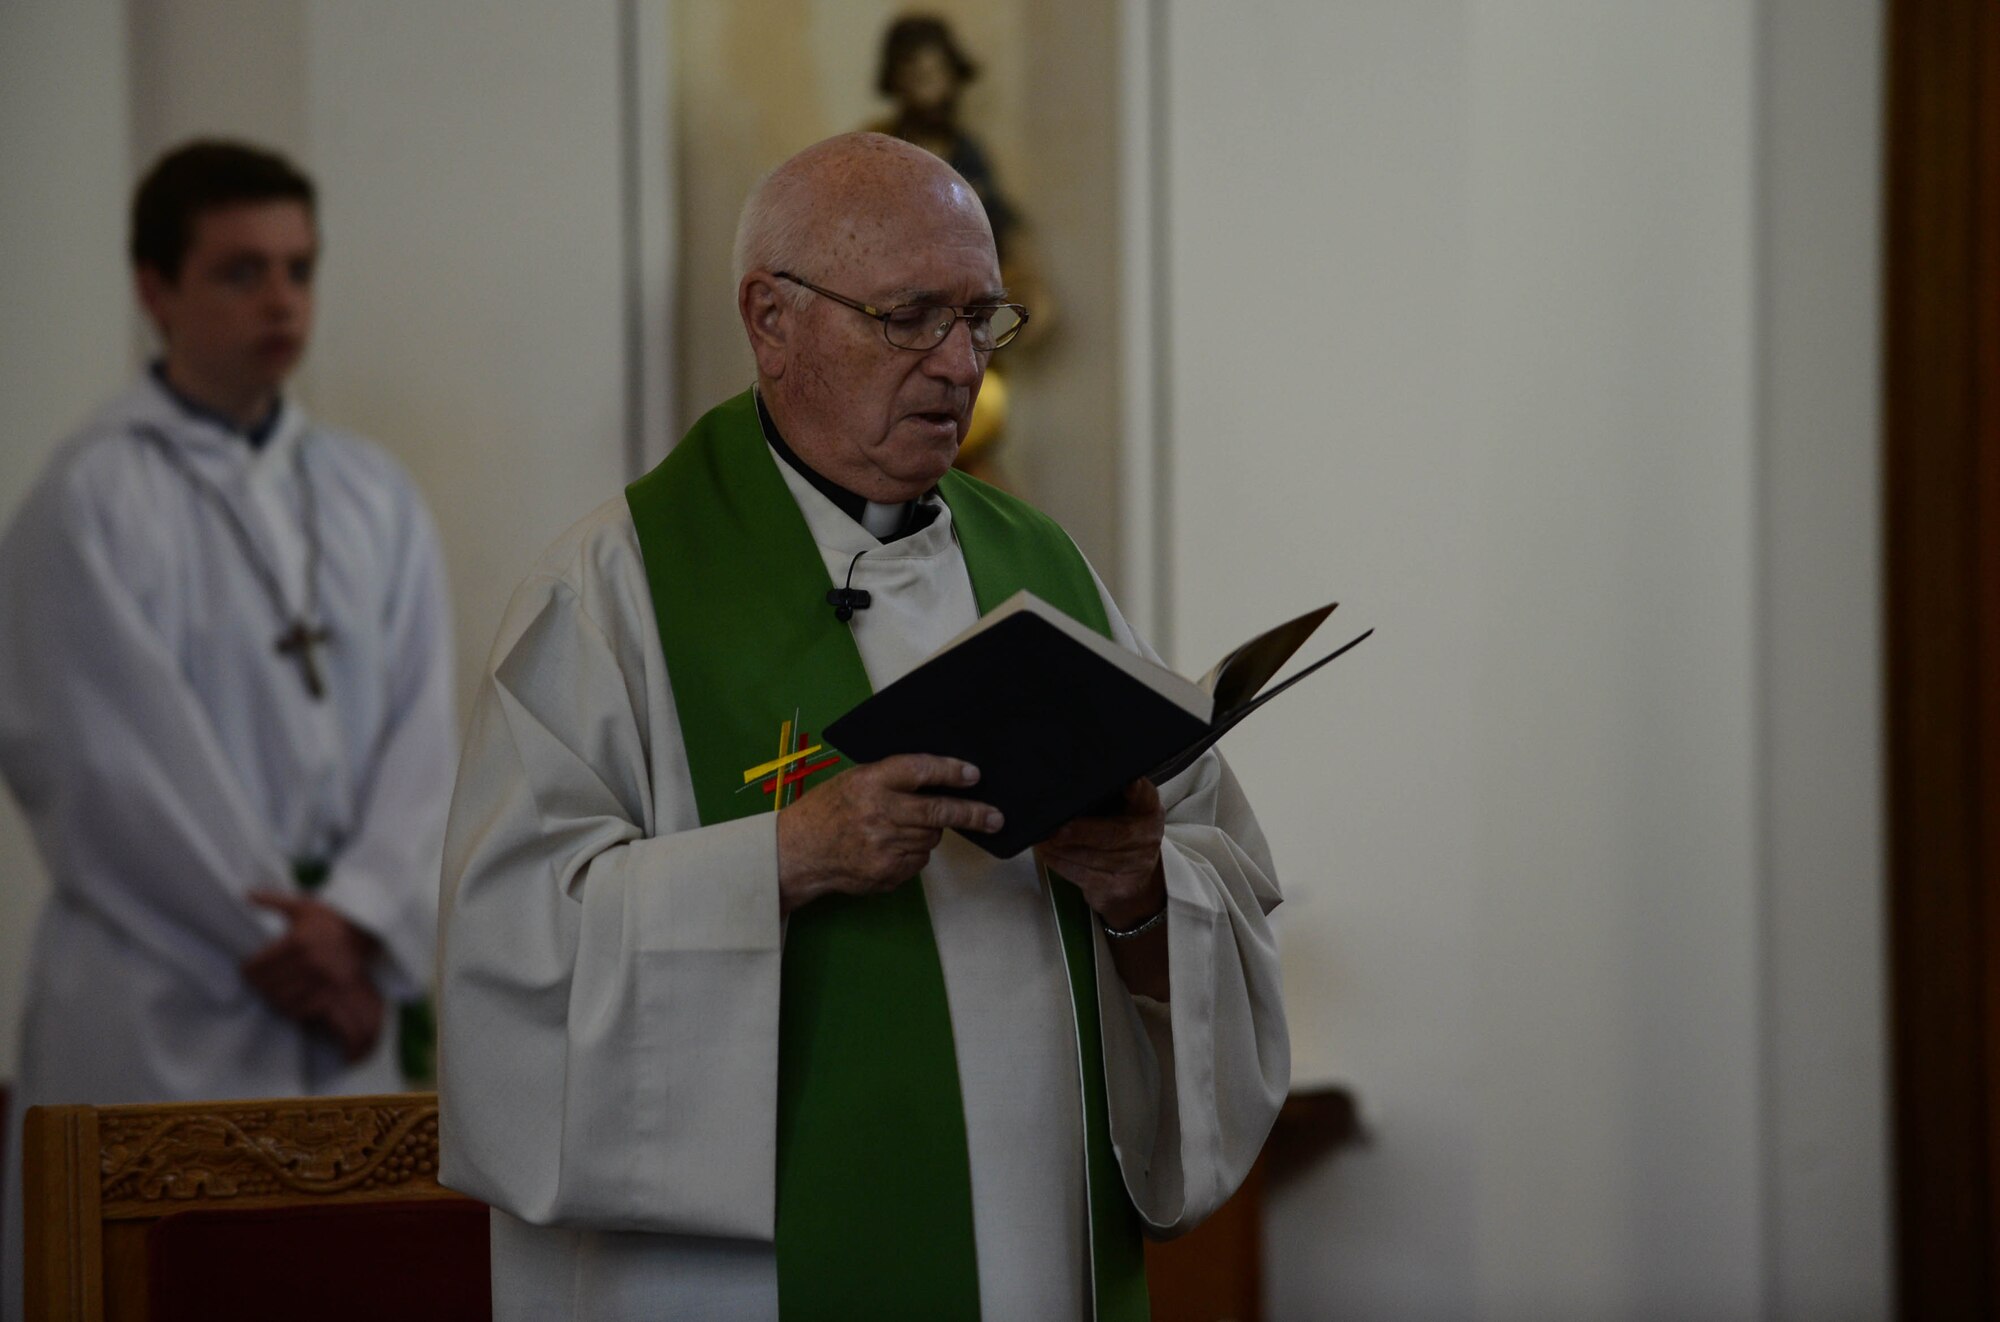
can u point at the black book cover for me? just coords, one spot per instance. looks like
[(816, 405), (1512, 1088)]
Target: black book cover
[(1057, 718), (1050, 724)]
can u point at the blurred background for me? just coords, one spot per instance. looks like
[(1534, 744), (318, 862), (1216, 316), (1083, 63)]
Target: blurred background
[(1545, 335)]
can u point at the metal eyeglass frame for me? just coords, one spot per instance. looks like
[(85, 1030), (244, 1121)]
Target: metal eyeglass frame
[(966, 312)]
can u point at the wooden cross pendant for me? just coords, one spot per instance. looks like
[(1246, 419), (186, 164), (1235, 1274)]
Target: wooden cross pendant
[(299, 641)]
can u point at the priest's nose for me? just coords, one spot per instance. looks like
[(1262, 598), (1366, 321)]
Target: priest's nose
[(954, 359)]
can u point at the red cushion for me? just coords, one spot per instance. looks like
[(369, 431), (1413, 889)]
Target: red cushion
[(386, 1262)]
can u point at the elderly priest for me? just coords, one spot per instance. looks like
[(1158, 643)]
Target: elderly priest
[(731, 1029)]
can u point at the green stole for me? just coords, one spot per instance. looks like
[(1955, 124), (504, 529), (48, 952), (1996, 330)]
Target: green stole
[(874, 1197)]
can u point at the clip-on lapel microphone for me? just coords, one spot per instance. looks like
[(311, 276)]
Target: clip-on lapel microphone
[(847, 600)]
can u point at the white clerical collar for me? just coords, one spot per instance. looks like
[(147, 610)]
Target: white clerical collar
[(840, 534), (882, 520)]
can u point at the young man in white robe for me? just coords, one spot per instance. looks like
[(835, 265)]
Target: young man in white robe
[(225, 696), (680, 1048)]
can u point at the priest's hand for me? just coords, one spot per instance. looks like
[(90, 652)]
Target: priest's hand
[(1115, 862), (871, 828), (318, 972)]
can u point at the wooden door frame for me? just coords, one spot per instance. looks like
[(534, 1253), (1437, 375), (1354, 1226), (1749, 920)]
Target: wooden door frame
[(1942, 617)]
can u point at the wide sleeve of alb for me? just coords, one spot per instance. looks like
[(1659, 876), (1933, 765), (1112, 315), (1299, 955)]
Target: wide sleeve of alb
[(1195, 1082), (385, 879), (609, 969), (134, 805)]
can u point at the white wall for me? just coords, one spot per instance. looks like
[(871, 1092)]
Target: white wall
[(472, 310), (1477, 320), (233, 67), (65, 318)]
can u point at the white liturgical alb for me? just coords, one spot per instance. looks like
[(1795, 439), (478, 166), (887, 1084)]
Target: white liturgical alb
[(170, 760), (610, 973)]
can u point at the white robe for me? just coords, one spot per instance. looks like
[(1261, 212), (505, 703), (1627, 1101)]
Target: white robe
[(169, 761), (610, 976)]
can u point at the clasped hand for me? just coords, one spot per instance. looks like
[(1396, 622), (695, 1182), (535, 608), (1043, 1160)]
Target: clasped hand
[(871, 828), (318, 973)]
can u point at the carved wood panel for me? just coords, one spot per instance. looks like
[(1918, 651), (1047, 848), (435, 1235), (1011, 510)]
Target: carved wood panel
[(242, 1152)]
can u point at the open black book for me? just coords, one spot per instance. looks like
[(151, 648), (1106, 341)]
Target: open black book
[(1058, 718)]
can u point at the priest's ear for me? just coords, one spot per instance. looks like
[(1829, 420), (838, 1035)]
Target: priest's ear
[(769, 310)]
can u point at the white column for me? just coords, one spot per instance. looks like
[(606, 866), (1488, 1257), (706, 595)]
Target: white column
[(473, 299)]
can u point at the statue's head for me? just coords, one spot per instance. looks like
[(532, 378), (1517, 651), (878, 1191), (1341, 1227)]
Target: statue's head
[(923, 68)]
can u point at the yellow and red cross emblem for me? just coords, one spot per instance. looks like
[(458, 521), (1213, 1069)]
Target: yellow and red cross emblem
[(783, 773)]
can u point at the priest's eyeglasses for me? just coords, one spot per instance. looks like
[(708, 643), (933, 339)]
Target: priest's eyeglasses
[(923, 326)]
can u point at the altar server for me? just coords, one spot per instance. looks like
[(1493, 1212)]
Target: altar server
[(734, 1029), (225, 694)]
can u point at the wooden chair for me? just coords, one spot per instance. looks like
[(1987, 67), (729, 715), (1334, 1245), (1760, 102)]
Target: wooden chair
[(214, 1210), (305, 1208)]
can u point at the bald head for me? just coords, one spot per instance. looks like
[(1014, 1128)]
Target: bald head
[(808, 205), (872, 220)]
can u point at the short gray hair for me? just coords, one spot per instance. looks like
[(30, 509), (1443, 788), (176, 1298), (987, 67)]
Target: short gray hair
[(775, 231)]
